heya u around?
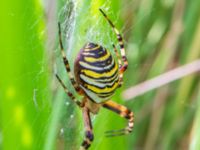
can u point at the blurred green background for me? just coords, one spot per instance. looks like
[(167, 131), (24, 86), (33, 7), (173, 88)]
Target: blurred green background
[(159, 35)]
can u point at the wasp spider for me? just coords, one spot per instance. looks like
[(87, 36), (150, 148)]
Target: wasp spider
[(97, 76)]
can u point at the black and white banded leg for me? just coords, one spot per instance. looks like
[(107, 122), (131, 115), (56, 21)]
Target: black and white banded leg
[(66, 62), (121, 44)]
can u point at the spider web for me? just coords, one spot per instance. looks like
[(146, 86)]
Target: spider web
[(77, 29), (80, 29), (65, 127)]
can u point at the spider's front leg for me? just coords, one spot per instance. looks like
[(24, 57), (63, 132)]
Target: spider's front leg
[(123, 112), (123, 66), (67, 67), (66, 63), (88, 129)]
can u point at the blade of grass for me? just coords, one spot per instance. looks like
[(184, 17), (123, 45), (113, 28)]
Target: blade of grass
[(195, 136), (24, 101)]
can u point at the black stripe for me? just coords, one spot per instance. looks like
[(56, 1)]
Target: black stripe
[(114, 78), (85, 144), (100, 63), (107, 18), (127, 113), (121, 46), (89, 134), (119, 37), (106, 61), (66, 64), (91, 84), (105, 95), (124, 58), (102, 93), (112, 108), (128, 116), (91, 45), (90, 123), (116, 72), (95, 54), (100, 52), (98, 71)]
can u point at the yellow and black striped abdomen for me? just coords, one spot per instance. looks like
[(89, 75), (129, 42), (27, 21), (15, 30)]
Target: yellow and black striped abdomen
[(97, 72)]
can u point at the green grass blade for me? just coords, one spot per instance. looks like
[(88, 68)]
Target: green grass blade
[(194, 141), (24, 100)]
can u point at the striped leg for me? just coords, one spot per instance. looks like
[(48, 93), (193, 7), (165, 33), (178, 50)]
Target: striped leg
[(88, 129), (123, 112), (121, 44), (69, 93), (66, 62), (118, 56), (120, 65)]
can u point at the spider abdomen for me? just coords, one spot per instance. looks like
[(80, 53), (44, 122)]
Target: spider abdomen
[(97, 72)]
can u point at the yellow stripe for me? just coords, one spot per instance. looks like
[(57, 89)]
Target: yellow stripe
[(99, 75), (104, 90), (88, 49), (103, 58)]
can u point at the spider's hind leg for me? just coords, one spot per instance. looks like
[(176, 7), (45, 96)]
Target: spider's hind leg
[(123, 112)]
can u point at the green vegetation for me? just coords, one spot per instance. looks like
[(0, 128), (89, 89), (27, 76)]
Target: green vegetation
[(35, 113), (24, 84)]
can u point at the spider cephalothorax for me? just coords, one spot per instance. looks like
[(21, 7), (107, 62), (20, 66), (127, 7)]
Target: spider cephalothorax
[(97, 76)]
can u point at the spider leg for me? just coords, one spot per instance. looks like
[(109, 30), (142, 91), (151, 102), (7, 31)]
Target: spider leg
[(118, 56), (120, 65), (66, 62), (88, 129), (121, 44), (69, 93), (123, 112)]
